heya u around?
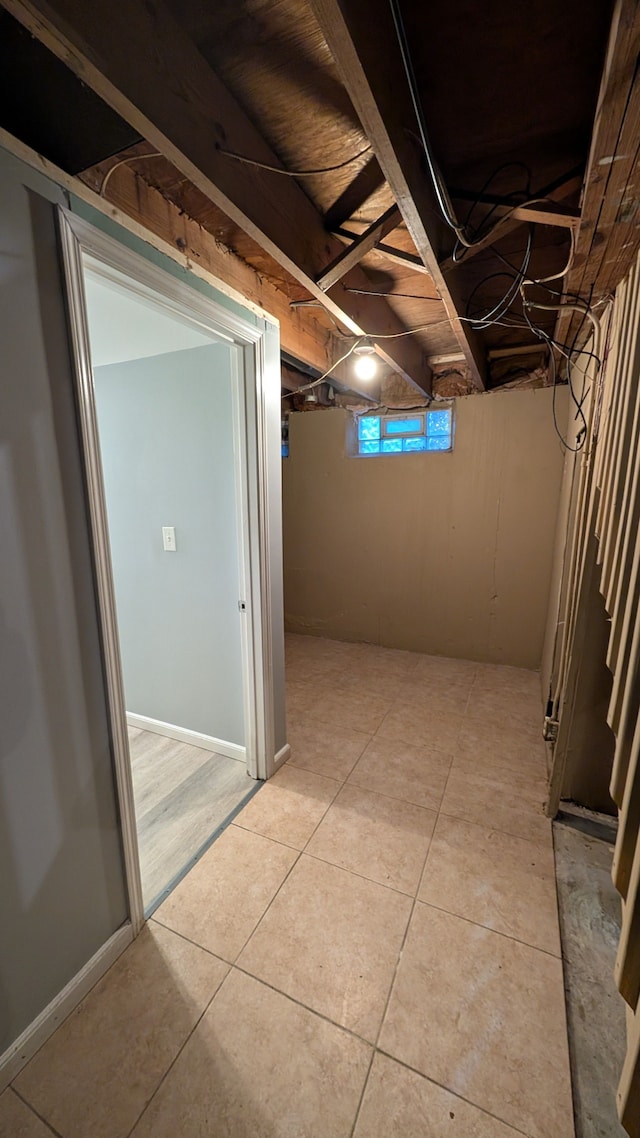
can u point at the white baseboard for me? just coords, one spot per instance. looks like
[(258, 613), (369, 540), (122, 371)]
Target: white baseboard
[(183, 735), (281, 756), (32, 1038)]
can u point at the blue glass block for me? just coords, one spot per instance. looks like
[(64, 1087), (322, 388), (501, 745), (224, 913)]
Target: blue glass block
[(439, 423), (439, 442), (369, 427), (403, 427), (370, 447), (391, 446), (414, 444), (285, 450)]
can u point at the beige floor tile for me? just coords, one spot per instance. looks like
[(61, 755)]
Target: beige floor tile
[(18, 1120), (324, 749), (100, 1068), (205, 908), (505, 883), (299, 694), (260, 1066), (399, 1103), (349, 707), (289, 806), (422, 726), (378, 837), (483, 1015), (372, 681), (502, 704), (412, 774), (529, 774), (331, 940), (490, 677), (506, 709), (490, 802), (445, 668), (436, 698), (513, 744)]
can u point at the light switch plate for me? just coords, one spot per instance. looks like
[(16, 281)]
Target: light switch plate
[(169, 539)]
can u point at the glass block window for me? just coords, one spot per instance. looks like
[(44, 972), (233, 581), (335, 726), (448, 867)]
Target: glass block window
[(429, 430)]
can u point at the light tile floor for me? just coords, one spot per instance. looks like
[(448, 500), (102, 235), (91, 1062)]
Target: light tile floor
[(370, 950)]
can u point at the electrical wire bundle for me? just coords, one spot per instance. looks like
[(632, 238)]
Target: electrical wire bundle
[(502, 312)]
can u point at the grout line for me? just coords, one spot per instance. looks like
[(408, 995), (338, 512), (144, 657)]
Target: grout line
[(301, 1004), (362, 1094), (194, 943), (387, 797), (361, 876), (499, 829), (450, 1091), (177, 1055), (278, 841), (489, 929), (33, 1110), (276, 894), (540, 843), (404, 941)]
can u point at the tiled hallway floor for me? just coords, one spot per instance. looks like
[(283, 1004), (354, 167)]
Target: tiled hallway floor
[(370, 949)]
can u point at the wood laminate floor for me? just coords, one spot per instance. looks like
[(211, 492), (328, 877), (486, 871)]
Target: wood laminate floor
[(182, 795)]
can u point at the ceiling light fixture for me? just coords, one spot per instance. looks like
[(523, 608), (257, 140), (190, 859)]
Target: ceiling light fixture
[(365, 363)]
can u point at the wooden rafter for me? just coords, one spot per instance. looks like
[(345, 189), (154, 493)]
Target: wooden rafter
[(551, 212), (609, 231), (398, 256), (371, 70), (302, 335), (360, 247), (366, 183), (178, 103)]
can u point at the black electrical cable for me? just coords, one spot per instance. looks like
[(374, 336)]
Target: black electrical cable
[(479, 232), (501, 308)]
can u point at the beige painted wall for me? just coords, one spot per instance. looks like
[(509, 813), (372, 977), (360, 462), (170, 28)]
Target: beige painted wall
[(449, 554)]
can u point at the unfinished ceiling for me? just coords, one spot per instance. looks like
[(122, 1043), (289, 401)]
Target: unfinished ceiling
[(503, 95)]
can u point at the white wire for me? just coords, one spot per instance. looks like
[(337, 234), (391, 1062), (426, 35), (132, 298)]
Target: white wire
[(316, 382), (123, 162)]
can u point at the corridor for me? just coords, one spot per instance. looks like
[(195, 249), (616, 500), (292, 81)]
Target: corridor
[(371, 949)]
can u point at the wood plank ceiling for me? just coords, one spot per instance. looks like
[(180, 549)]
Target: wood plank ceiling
[(508, 96)]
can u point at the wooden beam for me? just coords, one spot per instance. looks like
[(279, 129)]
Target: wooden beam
[(172, 97), (371, 70), (404, 260), (359, 248), (398, 256), (144, 212), (301, 333), (366, 183), (553, 212), (609, 232)]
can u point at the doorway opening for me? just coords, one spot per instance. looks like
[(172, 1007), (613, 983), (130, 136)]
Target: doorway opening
[(166, 422), (169, 397)]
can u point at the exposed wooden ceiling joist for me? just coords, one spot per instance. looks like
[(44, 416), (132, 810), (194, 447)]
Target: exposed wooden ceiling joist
[(360, 247), (365, 184), (551, 211), (398, 256), (302, 335), (179, 105), (371, 70), (609, 231)]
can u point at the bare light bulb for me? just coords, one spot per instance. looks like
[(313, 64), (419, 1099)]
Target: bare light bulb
[(365, 366)]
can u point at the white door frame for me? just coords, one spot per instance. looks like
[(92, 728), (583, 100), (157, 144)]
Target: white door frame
[(81, 241)]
